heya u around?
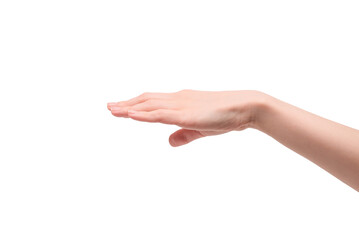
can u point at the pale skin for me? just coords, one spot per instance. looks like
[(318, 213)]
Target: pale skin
[(332, 146)]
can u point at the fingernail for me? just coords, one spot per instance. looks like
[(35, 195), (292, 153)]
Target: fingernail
[(110, 104), (116, 109)]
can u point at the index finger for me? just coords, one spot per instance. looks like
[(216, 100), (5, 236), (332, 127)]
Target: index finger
[(139, 99)]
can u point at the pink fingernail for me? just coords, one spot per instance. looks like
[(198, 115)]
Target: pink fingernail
[(116, 109)]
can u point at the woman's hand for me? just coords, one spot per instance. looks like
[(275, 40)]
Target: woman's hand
[(330, 145), (198, 113)]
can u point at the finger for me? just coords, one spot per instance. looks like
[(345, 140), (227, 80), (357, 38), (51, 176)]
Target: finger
[(160, 115), (152, 104), (141, 98), (120, 111), (183, 136), (110, 105)]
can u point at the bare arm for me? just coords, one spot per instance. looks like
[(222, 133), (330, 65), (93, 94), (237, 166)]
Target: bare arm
[(332, 146)]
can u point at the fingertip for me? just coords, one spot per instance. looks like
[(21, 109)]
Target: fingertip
[(172, 142), (110, 104), (114, 113)]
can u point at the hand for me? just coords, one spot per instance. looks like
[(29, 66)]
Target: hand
[(198, 113)]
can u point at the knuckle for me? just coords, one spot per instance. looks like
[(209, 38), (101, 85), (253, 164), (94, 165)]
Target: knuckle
[(181, 92), (184, 119), (184, 91), (158, 115), (144, 95), (180, 120), (150, 102)]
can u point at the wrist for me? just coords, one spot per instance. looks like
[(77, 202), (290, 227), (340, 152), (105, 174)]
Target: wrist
[(259, 109)]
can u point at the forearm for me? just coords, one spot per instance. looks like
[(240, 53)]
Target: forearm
[(332, 146)]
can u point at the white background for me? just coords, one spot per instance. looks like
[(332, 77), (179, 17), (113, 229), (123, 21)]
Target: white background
[(70, 170)]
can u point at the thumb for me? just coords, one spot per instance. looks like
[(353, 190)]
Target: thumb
[(184, 136)]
